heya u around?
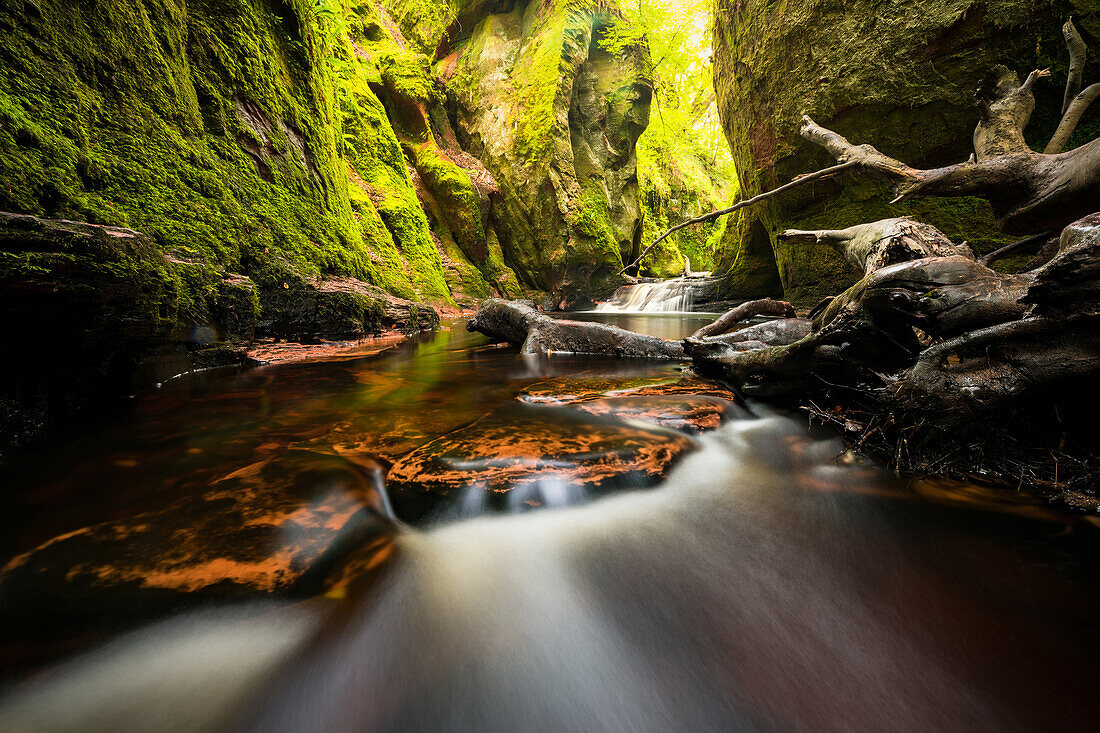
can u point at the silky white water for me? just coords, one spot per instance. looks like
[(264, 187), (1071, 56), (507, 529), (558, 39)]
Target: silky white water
[(766, 585), (675, 295)]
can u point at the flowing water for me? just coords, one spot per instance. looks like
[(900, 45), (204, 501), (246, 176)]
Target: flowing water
[(675, 295), (771, 582)]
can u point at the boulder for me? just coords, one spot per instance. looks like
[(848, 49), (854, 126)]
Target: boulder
[(338, 308)]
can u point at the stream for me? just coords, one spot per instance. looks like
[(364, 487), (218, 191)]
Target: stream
[(770, 580)]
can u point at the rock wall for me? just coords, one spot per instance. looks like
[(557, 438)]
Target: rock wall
[(555, 119), (899, 74), (271, 138), (291, 139), (296, 169)]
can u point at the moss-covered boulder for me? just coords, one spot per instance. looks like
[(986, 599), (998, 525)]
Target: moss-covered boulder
[(555, 118), (899, 74)]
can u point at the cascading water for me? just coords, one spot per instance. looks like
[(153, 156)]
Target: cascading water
[(763, 586), (669, 296)]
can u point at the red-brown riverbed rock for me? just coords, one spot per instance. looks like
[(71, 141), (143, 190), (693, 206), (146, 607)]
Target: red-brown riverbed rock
[(684, 403), (278, 527), (686, 413), (524, 445)]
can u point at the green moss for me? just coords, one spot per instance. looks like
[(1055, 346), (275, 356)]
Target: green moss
[(456, 195), (425, 22), (275, 139), (685, 170), (897, 74), (136, 123), (594, 239), (538, 102)]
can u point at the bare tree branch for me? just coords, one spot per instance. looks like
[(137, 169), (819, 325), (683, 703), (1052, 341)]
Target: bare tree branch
[(1077, 54), (740, 205), (1070, 119)]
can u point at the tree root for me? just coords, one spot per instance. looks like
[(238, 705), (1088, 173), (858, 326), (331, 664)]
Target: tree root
[(869, 247), (742, 313), (1029, 192)]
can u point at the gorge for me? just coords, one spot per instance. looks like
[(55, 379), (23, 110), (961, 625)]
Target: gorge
[(377, 365)]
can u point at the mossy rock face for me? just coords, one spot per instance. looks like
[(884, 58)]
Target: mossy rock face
[(898, 74), (555, 119), (94, 312), (247, 137), (207, 126)]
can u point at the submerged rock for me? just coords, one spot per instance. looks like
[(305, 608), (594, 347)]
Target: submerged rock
[(528, 447), (277, 527), (686, 413), (568, 391), (687, 404)]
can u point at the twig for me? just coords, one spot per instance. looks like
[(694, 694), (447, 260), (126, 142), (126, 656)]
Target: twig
[(742, 204)]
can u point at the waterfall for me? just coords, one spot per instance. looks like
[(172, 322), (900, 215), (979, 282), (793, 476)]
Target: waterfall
[(675, 295)]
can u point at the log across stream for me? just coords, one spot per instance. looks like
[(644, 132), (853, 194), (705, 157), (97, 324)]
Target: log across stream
[(453, 535)]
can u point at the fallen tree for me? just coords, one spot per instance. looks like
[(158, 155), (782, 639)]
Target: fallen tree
[(519, 323)]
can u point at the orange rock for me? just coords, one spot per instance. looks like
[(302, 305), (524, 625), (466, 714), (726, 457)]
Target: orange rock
[(569, 391), (279, 526), (523, 445), (687, 413)]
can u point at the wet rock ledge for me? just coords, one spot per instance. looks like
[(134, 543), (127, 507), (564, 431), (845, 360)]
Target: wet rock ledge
[(94, 313)]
